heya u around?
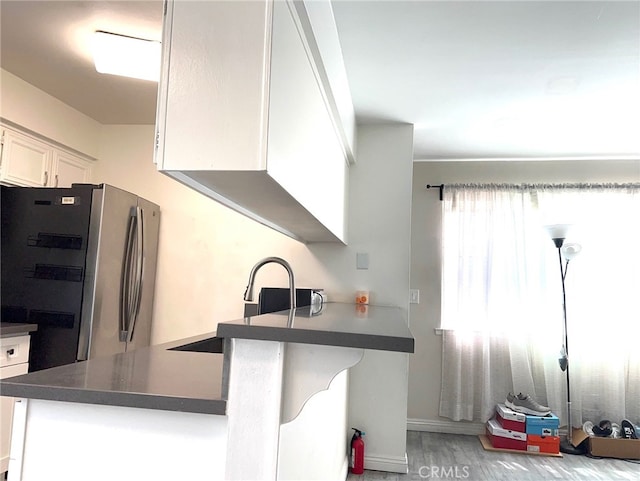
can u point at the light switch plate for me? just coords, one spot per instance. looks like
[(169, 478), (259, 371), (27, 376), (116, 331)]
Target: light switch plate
[(362, 260), (414, 296)]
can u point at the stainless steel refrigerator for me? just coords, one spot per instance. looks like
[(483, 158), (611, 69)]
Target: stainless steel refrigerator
[(79, 262)]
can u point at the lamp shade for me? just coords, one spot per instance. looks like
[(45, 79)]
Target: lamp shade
[(558, 231), (569, 251)]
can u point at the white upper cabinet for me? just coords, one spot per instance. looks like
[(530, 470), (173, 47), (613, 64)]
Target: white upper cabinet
[(69, 169), (247, 116), (25, 161), (30, 162)]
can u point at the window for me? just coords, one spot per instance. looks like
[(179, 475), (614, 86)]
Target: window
[(502, 298)]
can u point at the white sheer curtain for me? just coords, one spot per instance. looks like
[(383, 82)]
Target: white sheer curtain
[(502, 300)]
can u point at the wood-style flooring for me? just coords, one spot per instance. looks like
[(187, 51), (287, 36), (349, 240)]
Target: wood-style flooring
[(435, 456)]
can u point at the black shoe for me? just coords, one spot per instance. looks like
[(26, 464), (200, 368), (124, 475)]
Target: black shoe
[(603, 430), (628, 430)]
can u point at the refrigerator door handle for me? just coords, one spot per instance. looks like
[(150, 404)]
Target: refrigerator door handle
[(125, 284), (139, 262)]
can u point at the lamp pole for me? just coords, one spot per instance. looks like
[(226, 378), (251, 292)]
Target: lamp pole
[(566, 446)]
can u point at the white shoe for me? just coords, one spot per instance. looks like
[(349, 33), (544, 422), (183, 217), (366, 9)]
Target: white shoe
[(526, 404)]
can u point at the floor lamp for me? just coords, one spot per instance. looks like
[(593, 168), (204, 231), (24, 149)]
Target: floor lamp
[(567, 251)]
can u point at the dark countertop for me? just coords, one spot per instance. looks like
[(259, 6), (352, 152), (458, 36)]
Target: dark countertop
[(16, 329), (151, 377), (158, 377), (346, 325)]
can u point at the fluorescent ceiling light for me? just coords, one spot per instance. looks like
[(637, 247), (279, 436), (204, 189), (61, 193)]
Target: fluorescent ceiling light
[(126, 56)]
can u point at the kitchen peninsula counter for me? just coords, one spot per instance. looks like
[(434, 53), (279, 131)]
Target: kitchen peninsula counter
[(336, 324), (159, 377), (275, 385), (152, 378)]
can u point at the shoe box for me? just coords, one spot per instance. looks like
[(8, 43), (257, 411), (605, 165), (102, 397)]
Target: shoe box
[(505, 438), (540, 432), (510, 419), (608, 447), (614, 448), (543, 444), (539, 425), (543, 425)]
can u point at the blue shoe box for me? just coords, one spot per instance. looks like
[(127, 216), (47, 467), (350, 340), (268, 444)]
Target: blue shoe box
[(542, 425)]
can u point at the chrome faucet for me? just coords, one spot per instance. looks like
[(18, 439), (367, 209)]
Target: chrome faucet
[(248, 293)]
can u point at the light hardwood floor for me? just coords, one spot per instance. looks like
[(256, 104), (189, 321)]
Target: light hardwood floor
[(435, 456)]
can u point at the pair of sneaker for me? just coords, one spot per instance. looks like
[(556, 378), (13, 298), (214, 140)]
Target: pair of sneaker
[(526, 404), (607, 429)]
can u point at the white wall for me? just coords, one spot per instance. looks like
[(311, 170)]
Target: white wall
[(425, 365), (379, 225), (207, 250), (31, 108)]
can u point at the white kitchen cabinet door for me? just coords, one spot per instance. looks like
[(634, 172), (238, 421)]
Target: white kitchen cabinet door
[(304, 155), (69, 169), (25, 161), (215, 86), (14, 361)]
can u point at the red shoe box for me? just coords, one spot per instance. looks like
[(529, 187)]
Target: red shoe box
[(511, 420), (505, 438), (543, 444)]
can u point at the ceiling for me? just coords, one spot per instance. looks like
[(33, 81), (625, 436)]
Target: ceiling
[(478, 79), (48, 44)]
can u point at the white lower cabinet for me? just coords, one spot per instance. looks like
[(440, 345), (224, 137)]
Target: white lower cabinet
[(14, 361), (31, 162)]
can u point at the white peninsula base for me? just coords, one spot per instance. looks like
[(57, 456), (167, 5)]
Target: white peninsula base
[(286, 419), (63, 441)]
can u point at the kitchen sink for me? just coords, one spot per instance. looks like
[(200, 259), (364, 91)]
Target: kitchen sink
[(212, 345)]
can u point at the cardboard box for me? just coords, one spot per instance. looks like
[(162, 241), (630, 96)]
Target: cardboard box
[(543, 425), (608, 447), (510, 419), (505, 438), (614, 448), (543, 444)]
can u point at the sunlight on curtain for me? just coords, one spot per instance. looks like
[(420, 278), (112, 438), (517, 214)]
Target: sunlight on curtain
[(502, 300)]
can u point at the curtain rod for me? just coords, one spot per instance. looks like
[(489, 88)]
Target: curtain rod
[(581, 185), (439, 186)]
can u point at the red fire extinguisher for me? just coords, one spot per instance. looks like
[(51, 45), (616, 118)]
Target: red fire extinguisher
[(357, 452)]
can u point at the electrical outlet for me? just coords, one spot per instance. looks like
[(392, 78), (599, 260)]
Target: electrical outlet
[(414, 296)]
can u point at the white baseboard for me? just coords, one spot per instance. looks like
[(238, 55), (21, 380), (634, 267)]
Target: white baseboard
[(448, 427), (395, 464), (400, 464)]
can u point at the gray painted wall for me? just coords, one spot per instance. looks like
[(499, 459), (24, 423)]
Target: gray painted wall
[(425, 367)]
